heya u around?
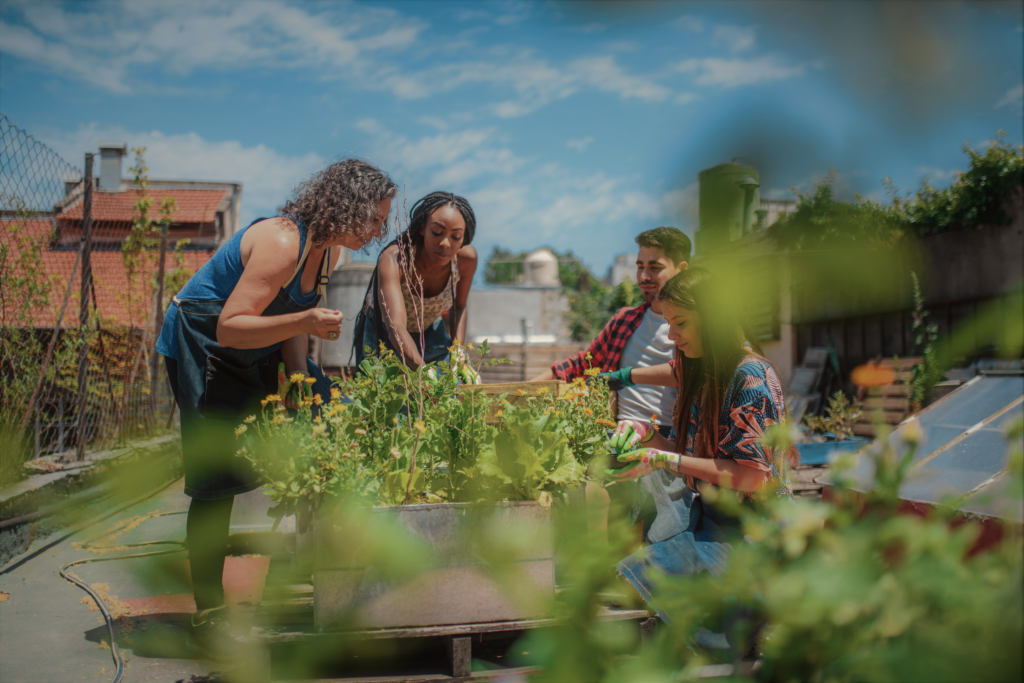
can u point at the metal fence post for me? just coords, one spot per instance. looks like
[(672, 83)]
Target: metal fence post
[(158, 323), (83, 310)]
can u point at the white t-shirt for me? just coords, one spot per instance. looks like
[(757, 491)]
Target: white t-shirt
[(648, 345)]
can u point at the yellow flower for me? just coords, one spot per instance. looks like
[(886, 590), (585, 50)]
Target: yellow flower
[(592, 372), (297, 377), (240, 430), (589, 412), (421, 427), (394, 420), (500, 413), (250, 419), (317, 419), (542, 391), (470, 346), (317, 400), (654, 417), (310, 381), (521, 392), (273, 398), (278, 419), (588, 356), (605, 423), (579, 382), (335, 393)]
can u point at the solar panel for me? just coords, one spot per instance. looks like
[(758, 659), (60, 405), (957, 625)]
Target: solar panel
[(964, 465), (993, 500), (964, 444)]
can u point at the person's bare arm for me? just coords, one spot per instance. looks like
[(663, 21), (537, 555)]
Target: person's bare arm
[(661, 443), (663, 375), (389, 291), (457, 316), (545, 376), (270, 264), (723, 472)]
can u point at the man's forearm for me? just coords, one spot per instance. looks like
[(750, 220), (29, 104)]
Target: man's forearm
[(545, 376), (663, 375)]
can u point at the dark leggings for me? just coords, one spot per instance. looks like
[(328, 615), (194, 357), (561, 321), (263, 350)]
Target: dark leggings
[(206, 533)]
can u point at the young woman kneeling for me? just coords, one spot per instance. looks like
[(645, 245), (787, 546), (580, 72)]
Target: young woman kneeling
[(729, 395)]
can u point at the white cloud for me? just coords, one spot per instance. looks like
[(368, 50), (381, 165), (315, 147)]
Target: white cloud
[(685, 98), (735, 38), (938, 174), (579, 145), (267, 176), (1014, 97), (103, 46), (604, 74), (689, 23), (733, 73)]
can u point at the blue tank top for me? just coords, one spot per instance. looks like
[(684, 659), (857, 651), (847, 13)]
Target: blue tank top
[(217, 279)]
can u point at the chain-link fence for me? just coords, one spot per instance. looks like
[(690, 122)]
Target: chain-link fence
[(79, 292)]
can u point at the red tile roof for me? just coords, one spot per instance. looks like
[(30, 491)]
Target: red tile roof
[(194, 206), (119, 302)]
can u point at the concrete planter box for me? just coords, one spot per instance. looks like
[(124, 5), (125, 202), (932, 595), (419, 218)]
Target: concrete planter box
[(824, 452), (448, 582)]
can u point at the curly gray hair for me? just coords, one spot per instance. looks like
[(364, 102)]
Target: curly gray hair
[(342, 199)]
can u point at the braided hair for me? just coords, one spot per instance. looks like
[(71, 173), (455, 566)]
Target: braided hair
[(424, 208)]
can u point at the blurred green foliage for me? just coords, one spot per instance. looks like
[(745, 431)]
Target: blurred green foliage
[(850, 590)]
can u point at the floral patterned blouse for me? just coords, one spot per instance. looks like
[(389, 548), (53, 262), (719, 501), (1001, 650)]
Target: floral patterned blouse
[(752, 404), (428, 309)]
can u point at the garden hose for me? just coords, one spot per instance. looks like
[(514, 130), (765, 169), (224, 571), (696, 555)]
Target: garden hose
[(114, 651)]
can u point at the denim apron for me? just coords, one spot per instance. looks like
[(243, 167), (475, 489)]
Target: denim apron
[(219, 387)]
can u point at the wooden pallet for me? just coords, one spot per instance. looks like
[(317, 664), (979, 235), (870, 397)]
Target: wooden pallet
[(285, 618), (891, 402)]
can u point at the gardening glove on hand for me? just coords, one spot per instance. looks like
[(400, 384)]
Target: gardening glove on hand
[(629, 434), (640, 463), (462, 368), (620, 379)]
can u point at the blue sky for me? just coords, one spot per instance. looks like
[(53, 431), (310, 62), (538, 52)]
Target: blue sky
[(572, 124)]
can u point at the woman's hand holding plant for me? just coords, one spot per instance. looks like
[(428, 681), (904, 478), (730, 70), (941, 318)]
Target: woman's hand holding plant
[(640, 463), (324, 323), (629, 434)]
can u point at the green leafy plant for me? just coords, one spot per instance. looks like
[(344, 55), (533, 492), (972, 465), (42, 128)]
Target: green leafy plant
[(404, 436), (925, 374), (842, 415)]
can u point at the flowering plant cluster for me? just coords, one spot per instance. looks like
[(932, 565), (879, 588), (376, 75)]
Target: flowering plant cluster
[(393, 435)]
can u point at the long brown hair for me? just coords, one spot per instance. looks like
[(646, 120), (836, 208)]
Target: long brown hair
[(706, 379)]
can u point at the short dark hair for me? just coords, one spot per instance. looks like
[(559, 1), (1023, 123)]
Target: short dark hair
[(672, 241), (424, 209)]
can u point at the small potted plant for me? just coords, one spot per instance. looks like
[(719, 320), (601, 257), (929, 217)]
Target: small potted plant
[(831, 435)]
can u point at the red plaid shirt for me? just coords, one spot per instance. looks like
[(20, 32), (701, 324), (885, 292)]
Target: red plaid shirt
[(606, 349)]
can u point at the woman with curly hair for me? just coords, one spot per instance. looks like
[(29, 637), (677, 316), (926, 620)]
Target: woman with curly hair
[(729, 395), (427, 271), (250, 307)]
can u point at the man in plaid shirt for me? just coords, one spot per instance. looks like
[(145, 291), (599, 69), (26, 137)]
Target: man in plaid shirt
[(640, 334)]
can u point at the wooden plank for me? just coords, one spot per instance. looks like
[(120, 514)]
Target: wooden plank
[(886, 403), (516, 673), (283, 634), (459, 650), (897, 389)]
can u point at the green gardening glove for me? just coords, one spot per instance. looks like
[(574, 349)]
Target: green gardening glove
[(630, 434), (620, 379), (640, 463)]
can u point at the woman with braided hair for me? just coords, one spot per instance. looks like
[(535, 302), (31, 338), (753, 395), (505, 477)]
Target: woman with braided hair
[(729, 396), (427, 271)]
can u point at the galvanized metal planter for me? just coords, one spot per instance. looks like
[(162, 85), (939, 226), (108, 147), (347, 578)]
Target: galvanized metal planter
[(448, 581)]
